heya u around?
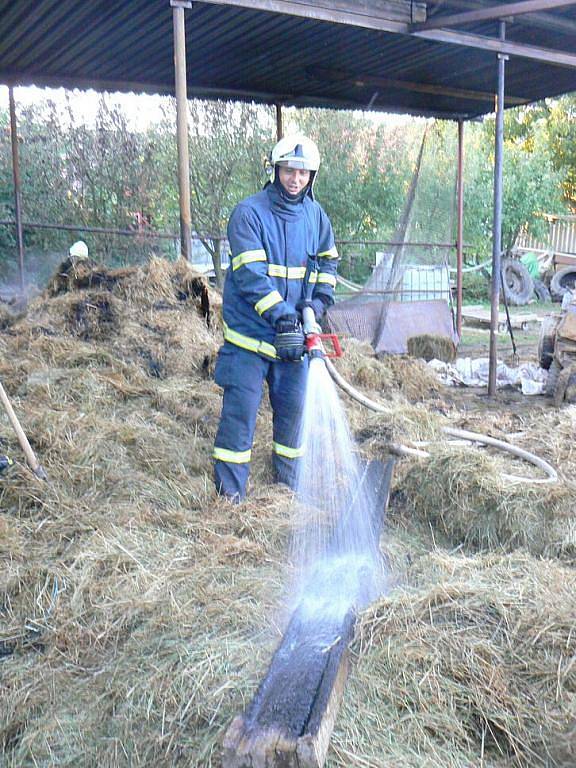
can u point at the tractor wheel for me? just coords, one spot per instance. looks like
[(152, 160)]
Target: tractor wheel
[(546, 341), (562, 281), (517, 282), (541, 292)]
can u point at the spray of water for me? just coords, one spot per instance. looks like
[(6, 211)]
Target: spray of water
[(335, 542)]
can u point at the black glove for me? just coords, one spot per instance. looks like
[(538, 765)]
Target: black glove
[(289, 339), (319, 304)]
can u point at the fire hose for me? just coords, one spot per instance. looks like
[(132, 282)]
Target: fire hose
[(457, 434), (314, 343)]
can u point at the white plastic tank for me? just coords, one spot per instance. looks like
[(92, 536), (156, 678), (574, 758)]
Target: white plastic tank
[(423, 282)]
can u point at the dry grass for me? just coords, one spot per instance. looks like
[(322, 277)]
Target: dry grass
[(387, 375), (473, 665), (138, 611)]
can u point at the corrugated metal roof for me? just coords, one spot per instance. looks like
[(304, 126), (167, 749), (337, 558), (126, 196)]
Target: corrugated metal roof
[(235, 52)]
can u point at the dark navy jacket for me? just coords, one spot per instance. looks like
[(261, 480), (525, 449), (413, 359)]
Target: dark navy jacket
[(270, 241)]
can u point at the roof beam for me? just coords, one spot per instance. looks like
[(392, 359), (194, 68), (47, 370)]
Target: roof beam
[(338, 76), (382, 15), (545, 55), (357, 14), (492, 12), (540, 20)]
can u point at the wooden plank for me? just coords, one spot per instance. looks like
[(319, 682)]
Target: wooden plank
[(493, 12), (385, 17), (340, 76), (290, 720), (483, 43), (481, 317)]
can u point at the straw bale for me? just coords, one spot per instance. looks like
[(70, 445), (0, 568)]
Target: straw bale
[(472, 666), (432, 347)]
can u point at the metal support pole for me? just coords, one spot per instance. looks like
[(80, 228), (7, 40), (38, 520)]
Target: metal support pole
[(279, 126), (460, 227), (497, 224), (178, 8), (17, 188)]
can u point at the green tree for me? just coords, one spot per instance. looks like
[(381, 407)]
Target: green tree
[(561, 130), (227, 144), (532, 186)]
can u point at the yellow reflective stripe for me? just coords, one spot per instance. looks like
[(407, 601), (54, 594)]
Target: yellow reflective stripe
[(295, 273), (234, 457), (331, 253), (326, 277), (287, 452), (268, 301), (313, 277), (247, 257), (290, 273), (246, 342)]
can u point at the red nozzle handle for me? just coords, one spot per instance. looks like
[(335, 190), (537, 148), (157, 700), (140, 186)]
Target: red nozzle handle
[(335, 342)]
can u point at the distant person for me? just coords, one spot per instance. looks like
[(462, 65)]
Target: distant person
[(78, 251), (63, 278), (274, 235)]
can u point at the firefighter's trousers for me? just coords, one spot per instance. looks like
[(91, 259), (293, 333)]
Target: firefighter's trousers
[(242, 374)]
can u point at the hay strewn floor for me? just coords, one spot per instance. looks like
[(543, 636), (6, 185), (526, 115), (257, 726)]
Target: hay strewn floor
[(139, 612)]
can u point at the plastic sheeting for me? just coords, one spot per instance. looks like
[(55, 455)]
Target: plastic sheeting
[(466, 371)]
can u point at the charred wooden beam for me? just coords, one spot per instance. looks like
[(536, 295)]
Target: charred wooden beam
[(290, 720)]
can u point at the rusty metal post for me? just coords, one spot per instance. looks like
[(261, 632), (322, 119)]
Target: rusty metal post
[(460, 227), (178, 9), (17, 188), (279, 126), (497, 223)]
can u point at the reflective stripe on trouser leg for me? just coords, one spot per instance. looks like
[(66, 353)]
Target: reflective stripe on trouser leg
[(241, 374), (287, 388)]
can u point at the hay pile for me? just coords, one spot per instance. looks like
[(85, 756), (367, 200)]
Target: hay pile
[(138, 612), (455, 672), (387, 376)]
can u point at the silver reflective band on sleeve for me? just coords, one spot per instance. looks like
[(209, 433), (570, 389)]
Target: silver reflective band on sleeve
[(246, 342), (326, 277), (268, 301), (288, 273), (331, 253), (233, 457), (287, 452), (247, 257)]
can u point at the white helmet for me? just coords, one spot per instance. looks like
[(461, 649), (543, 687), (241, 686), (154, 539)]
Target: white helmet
[(296, 151), (79, 250)]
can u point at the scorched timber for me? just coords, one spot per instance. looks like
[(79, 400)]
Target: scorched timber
[(289, 722)]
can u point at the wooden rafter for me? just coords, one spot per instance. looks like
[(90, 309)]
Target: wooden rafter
[(493, 12), (434, 89)]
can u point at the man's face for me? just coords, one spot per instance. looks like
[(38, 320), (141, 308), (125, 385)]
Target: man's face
[(293, 179)]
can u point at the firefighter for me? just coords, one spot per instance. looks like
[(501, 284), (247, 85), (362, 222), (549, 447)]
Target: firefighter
[(274, 236)]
